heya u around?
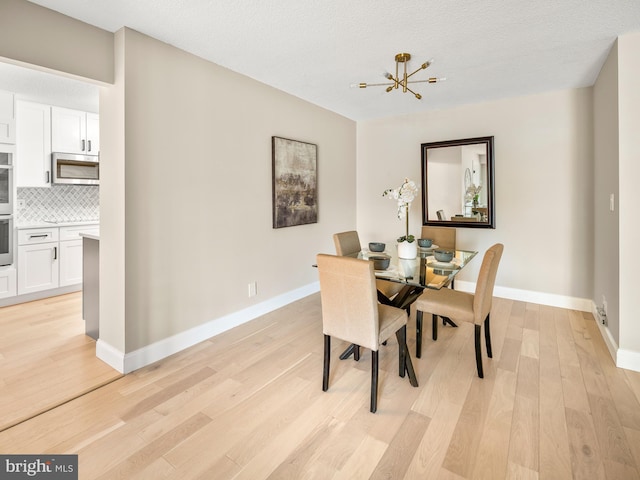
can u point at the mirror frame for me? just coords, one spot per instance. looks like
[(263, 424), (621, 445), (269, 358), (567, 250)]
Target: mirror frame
[(491, 214)]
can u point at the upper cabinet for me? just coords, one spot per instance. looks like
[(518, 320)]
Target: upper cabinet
[(74, 131), (7, 118), (33, 144)]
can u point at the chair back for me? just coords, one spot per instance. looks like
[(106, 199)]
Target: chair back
[(347, 243), (444, 237), (349, 300), (486, 281)]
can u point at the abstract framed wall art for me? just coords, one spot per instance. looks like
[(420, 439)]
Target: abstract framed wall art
[(294, 182)]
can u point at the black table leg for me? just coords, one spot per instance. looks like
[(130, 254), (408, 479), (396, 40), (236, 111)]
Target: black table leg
[(446, 320), (408, 364), (348, 352)]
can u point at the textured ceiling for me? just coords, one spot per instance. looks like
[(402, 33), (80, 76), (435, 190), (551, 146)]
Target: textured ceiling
[(315, 49)]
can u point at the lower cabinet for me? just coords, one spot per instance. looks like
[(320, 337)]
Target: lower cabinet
[(8, 286), (38, 267), (70, 262), (49, 257)]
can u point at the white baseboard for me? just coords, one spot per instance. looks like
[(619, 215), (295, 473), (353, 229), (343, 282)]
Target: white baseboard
[(110, 355), (551, 299), (126, 363), (609, 341), (628, 359), (29, 297)]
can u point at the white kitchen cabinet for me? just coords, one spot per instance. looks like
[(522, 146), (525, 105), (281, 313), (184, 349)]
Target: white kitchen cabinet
[(38, 267), (70, 263), (33, 144), (7, 118), (38, 259), (71, 253), (8, 286), (74, 131), (50, 257), (93, 133)]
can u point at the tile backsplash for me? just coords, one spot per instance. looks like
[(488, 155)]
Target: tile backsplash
[(61, 203)]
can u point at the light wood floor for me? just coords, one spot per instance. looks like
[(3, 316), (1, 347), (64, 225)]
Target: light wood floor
[(45, 357), (248, 404)]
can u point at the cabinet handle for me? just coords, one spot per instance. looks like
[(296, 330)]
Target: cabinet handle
[(46, 175), (55, 253), (89, 142), (44, 235), (83, 145)]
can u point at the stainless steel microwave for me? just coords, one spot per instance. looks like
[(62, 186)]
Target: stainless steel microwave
[(75, 169)]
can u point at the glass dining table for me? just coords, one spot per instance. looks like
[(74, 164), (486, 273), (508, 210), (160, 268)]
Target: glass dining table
[(418, 273), (414, 275)]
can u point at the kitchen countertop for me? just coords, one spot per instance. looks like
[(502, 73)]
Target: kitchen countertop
[(47, 224), (92, 236)]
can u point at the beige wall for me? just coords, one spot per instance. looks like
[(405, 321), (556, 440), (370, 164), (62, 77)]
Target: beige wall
[(40, 37), (606, 222), (629, 172), (543, 184), (197, 183), (617, 234)]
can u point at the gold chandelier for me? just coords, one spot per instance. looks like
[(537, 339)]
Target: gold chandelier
[(397, 81)]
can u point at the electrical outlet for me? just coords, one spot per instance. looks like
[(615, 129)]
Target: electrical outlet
[(253, 289), (604, 304), (612, 202)]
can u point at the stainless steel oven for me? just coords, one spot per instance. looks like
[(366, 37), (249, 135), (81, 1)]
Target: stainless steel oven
[(6, 179), (6, 240)]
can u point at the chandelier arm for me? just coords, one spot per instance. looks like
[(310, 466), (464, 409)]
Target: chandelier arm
[(379, 84), (418, 70), (428, 80), (417, 95)]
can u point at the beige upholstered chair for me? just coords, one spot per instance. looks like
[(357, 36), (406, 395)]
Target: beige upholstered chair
[(444, 237), (351, 312), (466, 307), (348, 244)]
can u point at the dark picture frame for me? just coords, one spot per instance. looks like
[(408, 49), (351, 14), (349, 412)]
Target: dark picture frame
[(471, 214), (294, 182)]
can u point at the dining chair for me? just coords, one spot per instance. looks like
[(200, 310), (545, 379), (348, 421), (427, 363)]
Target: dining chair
[(348, 244), (461, 306), (441, 215), (444, 237), (351, 312)]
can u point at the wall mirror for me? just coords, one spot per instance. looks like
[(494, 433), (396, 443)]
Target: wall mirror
[(457, 183)]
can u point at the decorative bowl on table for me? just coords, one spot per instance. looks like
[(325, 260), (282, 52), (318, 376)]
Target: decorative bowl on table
[(425, 242), (443, 255), (380, 262), (377, 246)]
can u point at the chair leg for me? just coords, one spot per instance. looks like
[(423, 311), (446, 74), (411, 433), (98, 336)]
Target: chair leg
[(374, 381), (418, 333), (327, 355), (401, 335), (487, 336), (434, 326), (356, 353), (478, 351)]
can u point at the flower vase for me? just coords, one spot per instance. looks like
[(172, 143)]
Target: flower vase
[(408, 250)]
